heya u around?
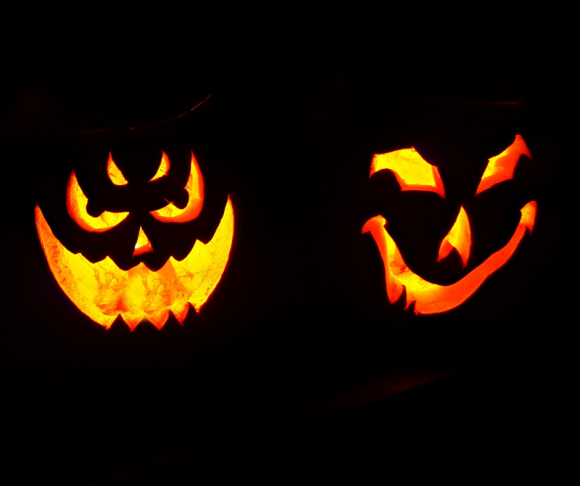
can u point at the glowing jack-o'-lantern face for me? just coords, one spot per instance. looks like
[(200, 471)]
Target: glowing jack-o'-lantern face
[(103, 291), (414, 173)]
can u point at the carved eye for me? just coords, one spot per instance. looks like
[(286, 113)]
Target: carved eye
[(412, 171), (501, 167), (76, 204), (194, 188)]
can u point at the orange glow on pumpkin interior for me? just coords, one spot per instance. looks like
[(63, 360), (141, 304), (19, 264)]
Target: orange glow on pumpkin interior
[(163, 168), (143, 245), (412, 172), (114, 173), (459, 237), (501, 167), (76, 204), (102, 291), (194, 188), (431, 298)]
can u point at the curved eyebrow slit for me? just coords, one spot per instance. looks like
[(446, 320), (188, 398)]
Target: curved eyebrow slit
[(194, 188), (163, 168), (501, 167), (412, 171), (115, 173), (76, 203)]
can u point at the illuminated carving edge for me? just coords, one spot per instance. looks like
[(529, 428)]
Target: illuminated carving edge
[(431, 298), (76, 269)]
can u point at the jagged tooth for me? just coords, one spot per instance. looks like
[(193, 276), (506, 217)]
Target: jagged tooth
[(108, 322), (132, 320), (159, 318), (181, 313), (410, 301)]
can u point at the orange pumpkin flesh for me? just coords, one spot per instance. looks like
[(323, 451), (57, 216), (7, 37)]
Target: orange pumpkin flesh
[(76, 203), (413, 173), (459, 237), (102, 291)]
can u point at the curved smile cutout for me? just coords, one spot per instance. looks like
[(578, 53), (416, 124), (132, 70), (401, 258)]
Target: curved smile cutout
[(103, 291), (413, 173)]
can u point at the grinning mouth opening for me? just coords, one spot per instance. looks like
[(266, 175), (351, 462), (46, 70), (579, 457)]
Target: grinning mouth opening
[(432, 298), (103, 291)]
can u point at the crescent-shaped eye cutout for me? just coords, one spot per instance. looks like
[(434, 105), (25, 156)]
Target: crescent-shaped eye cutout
[(76, 204), (412, 172), (194, 188), (501, 167), (114, 173)]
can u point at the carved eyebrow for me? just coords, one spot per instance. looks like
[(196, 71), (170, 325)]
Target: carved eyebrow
[(163, 168), (412, 171), (194, 188), (76, 203), (501, 167), (115, 173)]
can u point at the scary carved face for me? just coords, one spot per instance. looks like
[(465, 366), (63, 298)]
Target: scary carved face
[(141, 237), (409, 228)]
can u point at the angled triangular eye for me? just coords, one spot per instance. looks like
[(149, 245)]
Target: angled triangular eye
[(501, 167), (412, 171), (115, 173), (163, 168)]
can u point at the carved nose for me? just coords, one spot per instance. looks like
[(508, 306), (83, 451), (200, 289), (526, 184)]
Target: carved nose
[(143, 245), (459, 238)]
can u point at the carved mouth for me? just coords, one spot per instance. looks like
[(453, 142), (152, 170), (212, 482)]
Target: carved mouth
[(432, 298), (103, 291)]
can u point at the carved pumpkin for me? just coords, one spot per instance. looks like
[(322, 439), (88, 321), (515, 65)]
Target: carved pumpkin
[(413, 173), (141, 247), (135, 233), (103, 291), (430, 200)]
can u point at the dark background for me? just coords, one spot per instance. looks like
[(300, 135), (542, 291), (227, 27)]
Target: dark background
[(503, 399)]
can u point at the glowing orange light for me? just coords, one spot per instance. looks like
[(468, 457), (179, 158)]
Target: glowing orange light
[(114, 173), (76, 203), (194, 188), (501, 167), (459, 237), (143, 245), (412, 172), (431, 298), (163, 168), (103, 291)]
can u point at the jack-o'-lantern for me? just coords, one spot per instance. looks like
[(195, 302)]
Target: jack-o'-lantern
[(128, 246), (432, 207), (414, 173), (136, 243), (103, 291)]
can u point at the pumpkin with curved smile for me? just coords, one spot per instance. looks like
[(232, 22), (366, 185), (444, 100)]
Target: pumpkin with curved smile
[(102, 290), (121, 252), (414, 173)]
